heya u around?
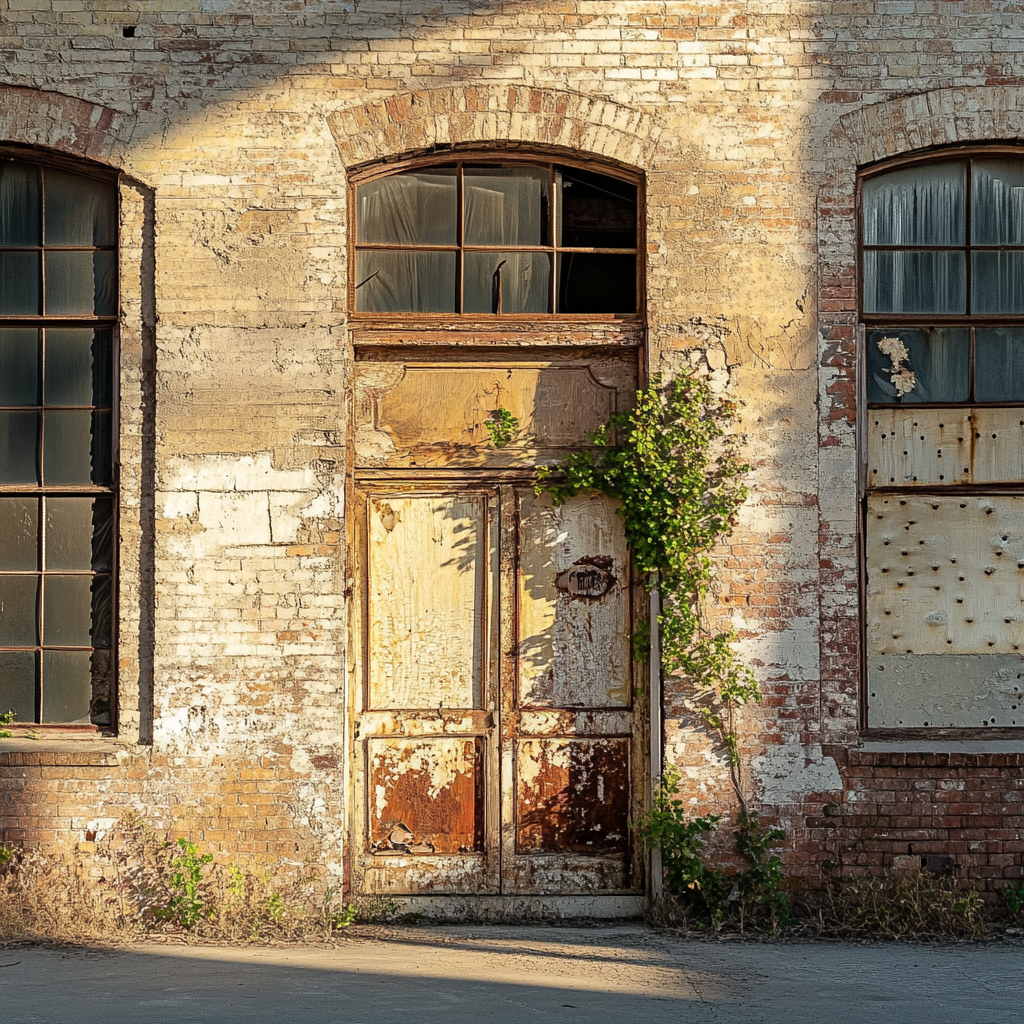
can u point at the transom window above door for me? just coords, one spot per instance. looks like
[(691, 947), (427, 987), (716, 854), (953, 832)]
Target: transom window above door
[(502, 237)]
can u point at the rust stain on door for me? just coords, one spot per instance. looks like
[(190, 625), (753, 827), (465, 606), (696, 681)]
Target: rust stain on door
[(572, 795), (427, 795)]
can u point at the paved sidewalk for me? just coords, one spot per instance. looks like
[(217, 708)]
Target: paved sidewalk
[(468, 975)]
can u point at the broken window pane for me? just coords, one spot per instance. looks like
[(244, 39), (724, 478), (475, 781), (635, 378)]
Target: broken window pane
[(595, 211), (405, 282), (916, 206), (411, 208), (997, 282), (79, 210), (20, 209), (18, 684), (78, 366), (20, 284), (19, 526), (79, 533), (19, 366), (506, 205), (999, 371), (914, 282), (596, 283), (525, 281), (918, 364)]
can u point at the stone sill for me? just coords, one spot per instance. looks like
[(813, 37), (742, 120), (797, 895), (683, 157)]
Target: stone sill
[(912, 746), (60, 749)]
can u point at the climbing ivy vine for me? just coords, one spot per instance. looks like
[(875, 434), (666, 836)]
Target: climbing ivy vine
[(674, 467)]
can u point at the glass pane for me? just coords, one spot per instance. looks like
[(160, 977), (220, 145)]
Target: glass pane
[(67, 686), (506, 205), (999, 367), (595, 211), (80, 282), (400, 282), (918, 364), (525, 282), (997, 284), (76, 448), (18, 611), (916, 206), (67, 611), (19, 447), (79, 210), (415, 208), (19, 536), (77, 366), (18, 684), (590, 283), (997, 202), (19, 366), (914, 282), (79, 533), (20, 283), (20, 212)]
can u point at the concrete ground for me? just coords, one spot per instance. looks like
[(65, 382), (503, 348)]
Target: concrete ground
[(483, 974)]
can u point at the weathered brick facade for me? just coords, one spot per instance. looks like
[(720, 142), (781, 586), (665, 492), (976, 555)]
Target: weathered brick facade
[(234, 127)]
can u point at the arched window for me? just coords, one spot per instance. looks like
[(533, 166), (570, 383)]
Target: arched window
[(58, 307), (495, 237), (942, 312)]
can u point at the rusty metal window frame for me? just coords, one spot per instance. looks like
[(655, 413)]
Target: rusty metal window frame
[(471, 158), (42, 491), (876, 321)]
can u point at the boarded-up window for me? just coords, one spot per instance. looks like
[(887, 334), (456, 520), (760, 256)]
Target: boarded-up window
[(942, 287), (58, 302)]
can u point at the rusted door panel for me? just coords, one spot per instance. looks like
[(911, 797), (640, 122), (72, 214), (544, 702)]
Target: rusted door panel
[(420, 413), (426, 744), (922, 447), (572, 795), (426, 600), (574, 647), (945, 610), (427, 795)]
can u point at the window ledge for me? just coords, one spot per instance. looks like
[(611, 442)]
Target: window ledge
[(62, 750), (941, 746)]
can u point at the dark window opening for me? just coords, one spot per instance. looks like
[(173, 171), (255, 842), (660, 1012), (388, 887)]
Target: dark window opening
[(496, 239), (58, 299)]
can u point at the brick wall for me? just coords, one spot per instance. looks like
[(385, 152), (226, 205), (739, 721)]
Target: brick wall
[(235, 128)]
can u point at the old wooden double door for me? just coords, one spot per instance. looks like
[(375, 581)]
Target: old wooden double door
[(497, 738)]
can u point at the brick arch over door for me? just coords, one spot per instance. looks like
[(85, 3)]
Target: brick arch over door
[(418, 121), (64, 124)]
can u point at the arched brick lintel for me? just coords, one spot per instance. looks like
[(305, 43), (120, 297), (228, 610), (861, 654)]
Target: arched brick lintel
[(63, 123), (942, 117), (420, 121)]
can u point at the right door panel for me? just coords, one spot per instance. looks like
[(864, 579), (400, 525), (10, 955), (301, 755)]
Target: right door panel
[(567, 724)]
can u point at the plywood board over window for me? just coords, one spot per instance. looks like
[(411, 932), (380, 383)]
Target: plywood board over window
[(942, 370)]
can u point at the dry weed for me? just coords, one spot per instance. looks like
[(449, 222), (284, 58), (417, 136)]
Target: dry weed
[(900, 905)]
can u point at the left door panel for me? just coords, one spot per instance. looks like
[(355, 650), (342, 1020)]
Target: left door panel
[(425, 751)]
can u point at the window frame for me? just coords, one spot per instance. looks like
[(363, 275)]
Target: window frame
[(493, 321), (866, 322), (41, 491)]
